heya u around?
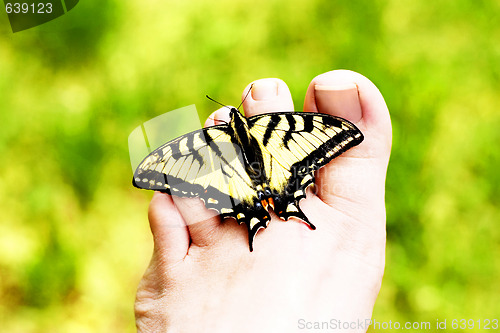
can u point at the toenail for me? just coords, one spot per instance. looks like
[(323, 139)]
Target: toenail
[(339, 100), (264, 90)]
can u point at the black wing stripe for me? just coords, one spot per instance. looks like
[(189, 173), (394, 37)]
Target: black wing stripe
[(308, 124), (192, 149), (288, 135), (175, 149), (271, 126)]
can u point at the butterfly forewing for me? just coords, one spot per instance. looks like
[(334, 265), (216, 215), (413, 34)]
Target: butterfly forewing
[(297, 144), (205, 164)]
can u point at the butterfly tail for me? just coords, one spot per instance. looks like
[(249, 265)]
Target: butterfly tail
[(290, 208), (254, 224)]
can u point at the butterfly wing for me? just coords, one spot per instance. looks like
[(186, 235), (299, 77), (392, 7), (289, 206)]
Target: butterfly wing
[(205, 164), (295, 145)]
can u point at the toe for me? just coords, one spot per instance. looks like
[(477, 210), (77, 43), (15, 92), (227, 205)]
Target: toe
[(203, 224), (266, 95), (355, 181), (169, 229), (219, 117)]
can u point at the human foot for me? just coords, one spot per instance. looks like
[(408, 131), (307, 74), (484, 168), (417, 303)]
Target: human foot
[(202, 278)]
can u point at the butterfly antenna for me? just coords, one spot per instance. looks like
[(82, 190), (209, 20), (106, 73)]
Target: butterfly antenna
[(243, 101), (213, 100)]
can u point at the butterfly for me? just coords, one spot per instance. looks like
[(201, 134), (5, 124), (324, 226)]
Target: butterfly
[(246, 167)]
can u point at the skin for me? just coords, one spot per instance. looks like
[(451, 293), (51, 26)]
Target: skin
[(202, 277)]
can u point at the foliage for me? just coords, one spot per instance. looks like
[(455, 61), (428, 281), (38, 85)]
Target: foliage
[(74, 239)]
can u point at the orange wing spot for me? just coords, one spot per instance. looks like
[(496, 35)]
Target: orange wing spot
[(271, 202), (264, 204)]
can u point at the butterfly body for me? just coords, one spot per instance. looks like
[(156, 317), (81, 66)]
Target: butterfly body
[(250, 165)]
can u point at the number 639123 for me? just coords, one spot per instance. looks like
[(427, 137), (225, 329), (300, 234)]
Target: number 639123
[(32, 8)]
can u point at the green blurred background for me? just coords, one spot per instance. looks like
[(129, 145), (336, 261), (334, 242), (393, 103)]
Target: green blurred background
[(74, 238)]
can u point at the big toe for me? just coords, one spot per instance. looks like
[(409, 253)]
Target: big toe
[(357, 177), (352, 96)]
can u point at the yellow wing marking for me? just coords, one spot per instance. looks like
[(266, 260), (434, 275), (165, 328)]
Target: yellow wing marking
[(183, 144), (299, 124), (277, 164), (197, 141)]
